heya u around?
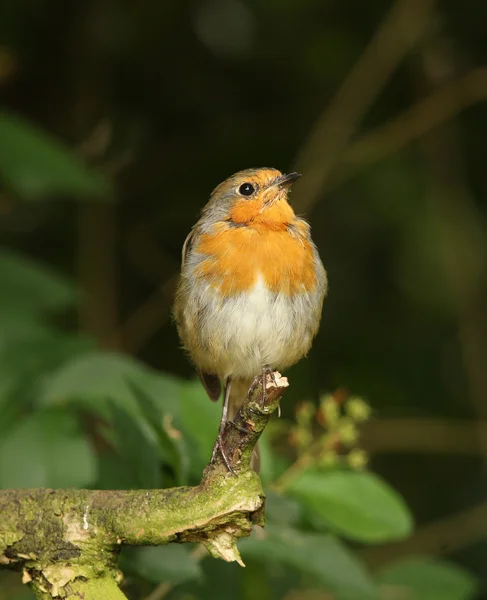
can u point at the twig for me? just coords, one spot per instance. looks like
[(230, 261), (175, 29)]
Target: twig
[(305, 460), (161, 591), (297, 467), (396, 35), (95, 145)]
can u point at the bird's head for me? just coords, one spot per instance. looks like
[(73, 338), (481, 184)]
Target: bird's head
[(255, 196)]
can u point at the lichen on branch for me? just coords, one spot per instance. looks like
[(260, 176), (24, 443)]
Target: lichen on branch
[(66, 542)]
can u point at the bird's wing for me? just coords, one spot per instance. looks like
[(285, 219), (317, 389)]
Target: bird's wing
[(210, 381), (187, 246), (212, 385)]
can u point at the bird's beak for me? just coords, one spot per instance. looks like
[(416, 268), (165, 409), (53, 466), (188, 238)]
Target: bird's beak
[(286, 180)]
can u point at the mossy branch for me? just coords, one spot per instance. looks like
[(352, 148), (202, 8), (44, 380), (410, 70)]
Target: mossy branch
[(66, 542)]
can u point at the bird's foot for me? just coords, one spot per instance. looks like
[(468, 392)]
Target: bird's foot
[(238, 427), (218, 447)]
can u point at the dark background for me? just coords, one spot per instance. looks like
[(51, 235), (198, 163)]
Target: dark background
[(380, 106)]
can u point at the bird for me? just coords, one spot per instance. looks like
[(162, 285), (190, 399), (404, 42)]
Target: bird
[(251, 289)]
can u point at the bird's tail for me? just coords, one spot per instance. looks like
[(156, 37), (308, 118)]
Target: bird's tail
[(238, 393)]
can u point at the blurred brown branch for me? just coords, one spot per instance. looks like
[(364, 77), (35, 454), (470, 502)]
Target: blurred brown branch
[(157, 267), (461, 245), (324, 148), (417, 120), (147, 319), (95, 145), (147, 255), (97, 271), (443, 536), (423, 436), (398, 32)]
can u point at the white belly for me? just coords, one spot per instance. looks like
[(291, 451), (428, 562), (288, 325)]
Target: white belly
[(240, 335)]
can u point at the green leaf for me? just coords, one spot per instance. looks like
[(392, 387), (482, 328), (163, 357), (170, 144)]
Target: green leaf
[(25, 595), (15, 326), (136, 448), (34, 165), (98, 377), (270, 461), (281, 510), (46, 450), (162, 389), (322, 556), (427, 579), (30, 287), (147, 402), (359, 506), (113, 473), (171, 445), (200, 419), (26, 358), (163, 563)]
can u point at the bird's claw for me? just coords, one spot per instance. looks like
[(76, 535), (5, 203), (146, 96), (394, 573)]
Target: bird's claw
[(219, 447)]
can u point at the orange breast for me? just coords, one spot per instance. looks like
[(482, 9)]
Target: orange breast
[(237, 256), (275, 217)]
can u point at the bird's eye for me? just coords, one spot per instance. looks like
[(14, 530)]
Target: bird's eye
[(246, 189)]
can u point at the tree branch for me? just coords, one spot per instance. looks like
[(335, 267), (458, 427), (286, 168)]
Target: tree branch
[(429, 112), (66, 542), (423, 435), (399, 31)]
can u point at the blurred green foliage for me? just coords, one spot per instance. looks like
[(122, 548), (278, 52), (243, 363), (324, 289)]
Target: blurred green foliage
[(156, 102), (35, 166), (82, 417)]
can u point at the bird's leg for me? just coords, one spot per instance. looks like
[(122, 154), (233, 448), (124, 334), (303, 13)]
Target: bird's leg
[(219, 440)]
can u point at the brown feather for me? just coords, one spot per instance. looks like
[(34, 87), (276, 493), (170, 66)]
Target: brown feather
[(212, 385)]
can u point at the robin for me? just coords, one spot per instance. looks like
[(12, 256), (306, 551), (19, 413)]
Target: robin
[(251, 290)]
